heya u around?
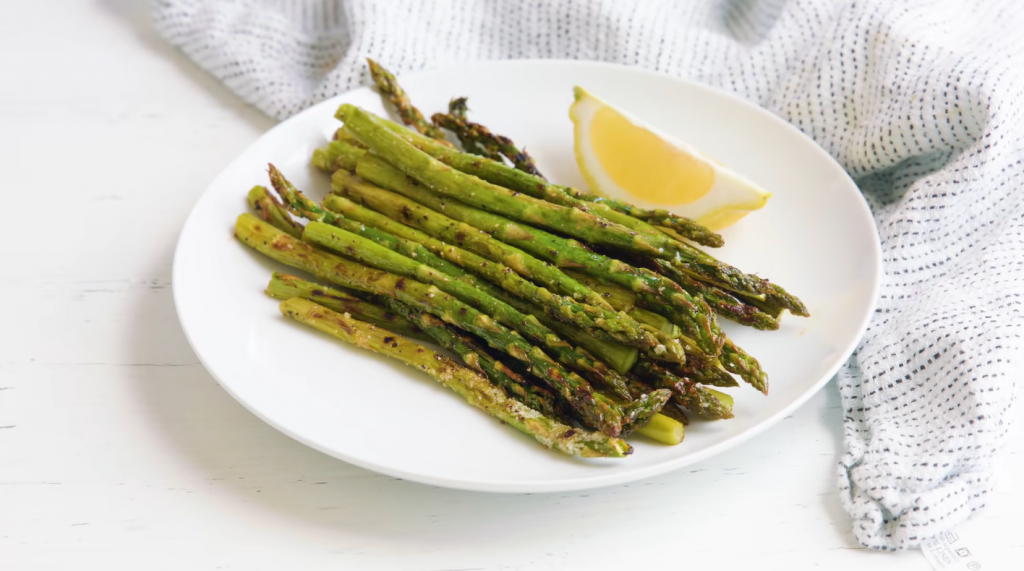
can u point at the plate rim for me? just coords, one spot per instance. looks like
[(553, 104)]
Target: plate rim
[(570, 484)]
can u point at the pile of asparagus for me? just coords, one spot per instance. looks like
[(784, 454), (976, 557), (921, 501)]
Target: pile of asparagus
[(578, 320)]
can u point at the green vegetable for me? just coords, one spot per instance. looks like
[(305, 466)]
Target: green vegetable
[(702, 401), (470, 385), (594, 411), (388, 86), (663, 429), (722, 302), (376, 256), (699, 264), (284, 286), (480, 137), (655, 292)]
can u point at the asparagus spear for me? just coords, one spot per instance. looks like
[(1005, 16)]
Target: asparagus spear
[(722, 302), (618, 325), (664, 429), (389, 87), (457, 108), (736, 360), (496, 172), (284, 286), (523, 179), (337, 155), (702, 401), (482, 137), (640, 416), (620, 357), (270, 209), (596, 412), (479, 359), (655, 292), (700, 369), (379, 257), (500, 174), (472, 291), (699, 264), (471, 386), (621, 299)]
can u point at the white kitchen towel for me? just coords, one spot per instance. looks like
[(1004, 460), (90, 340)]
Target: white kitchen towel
[(919, 101)]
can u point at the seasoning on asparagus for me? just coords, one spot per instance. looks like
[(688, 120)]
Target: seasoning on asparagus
[(284, 286), (619, 326), (389, 87), (479, 359), (269, 208), (480, 137), (648, 241), (470, 385), (594, 411), (657, 293), (618, 356), (702, 401), (376, 256), (722, 302), (736, 360), (496, 172), (471, 290)]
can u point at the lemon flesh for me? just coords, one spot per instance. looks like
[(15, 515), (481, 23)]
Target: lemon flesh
[(622, 158), (642, 163)]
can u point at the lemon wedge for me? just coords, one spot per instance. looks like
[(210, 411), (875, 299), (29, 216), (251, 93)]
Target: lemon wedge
[(622, 158)]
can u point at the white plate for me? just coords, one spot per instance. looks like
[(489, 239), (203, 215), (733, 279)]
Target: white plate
[(815, 237)]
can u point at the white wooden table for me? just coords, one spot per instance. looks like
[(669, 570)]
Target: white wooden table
[(118, 450)]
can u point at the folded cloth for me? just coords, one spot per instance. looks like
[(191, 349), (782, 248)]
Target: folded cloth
[(919, 101)]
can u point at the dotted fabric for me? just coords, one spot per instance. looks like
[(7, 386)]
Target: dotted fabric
[(919, 101)]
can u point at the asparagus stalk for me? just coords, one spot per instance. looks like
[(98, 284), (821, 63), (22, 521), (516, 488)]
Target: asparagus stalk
[(619, 326), (500, 174), (664, 429), (655, 292), (618, 356), (381, 258), (596, 412), (621, 299), (337, 155), (581, 361), (699, 264), (479, 359), (470, 385), (284, 286), (270, 209), (457, 108), (522, 179), (389, 87), (452, 183), (737, 361), (496, 172), (702, 401), (482, 137), (722, 302), (480, 295)]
